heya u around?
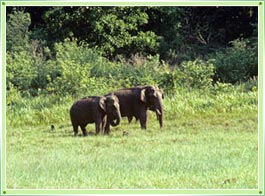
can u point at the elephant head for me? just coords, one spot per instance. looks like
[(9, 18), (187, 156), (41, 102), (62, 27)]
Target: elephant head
[(153, 96), (111, 106)]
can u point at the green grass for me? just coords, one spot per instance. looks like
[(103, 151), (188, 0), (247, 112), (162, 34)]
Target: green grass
[(209, 141), (206, 152)]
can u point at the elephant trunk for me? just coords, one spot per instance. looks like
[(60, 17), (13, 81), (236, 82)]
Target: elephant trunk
[(115, 120), (160, 118), (159, 111)]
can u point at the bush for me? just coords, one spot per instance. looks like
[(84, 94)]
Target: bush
[(27, 73), (27, 68), (237, 63), (196, 74), (78, 71), (73, 78), (17, 32), (169, 81), (13, 95), (20, 70), (138, 70), (192, 74), (251, 84)]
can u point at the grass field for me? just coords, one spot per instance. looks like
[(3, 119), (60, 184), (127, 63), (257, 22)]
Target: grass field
[(213, 148)]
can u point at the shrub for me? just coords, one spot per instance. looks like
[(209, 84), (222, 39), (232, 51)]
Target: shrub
[(196, 74), (26, 59), (78, 70), (251, 84), (28, 74), (236, 63), (73, 78), (169, 81), (20, 70), (70, 50), (13, 95), (140, 70), (17, 32)]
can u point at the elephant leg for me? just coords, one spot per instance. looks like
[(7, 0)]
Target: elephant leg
[(83, 128), (107, 132), (107, 127), (99, 124), (75, 127), (143, 119), (104, 124), (130, 118)]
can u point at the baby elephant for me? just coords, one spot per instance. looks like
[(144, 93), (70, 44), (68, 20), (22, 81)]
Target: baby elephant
[(94, 109)]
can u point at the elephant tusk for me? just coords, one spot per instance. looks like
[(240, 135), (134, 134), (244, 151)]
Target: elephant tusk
[(158, 112), (115, 122)]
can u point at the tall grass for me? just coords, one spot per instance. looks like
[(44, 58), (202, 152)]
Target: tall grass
[(54, 109)]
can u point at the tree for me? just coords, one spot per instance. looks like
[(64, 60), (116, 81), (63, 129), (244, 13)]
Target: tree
[(114, 30), (17, 34)]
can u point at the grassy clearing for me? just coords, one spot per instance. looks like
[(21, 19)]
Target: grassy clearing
[(210, 141), (197, 151)]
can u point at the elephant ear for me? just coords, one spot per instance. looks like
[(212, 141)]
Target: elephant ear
[(161, 92), (115, 98), (116, 101), (142, 96), (102, 103)]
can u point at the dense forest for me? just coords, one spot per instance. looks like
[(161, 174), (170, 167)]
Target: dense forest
[(67, 50)]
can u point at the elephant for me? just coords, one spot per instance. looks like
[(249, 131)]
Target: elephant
[(130, 118), (152, 108), (135, 101), (95, 109)]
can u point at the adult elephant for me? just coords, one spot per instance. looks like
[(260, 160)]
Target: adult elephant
[(135, 101), (94, 109)]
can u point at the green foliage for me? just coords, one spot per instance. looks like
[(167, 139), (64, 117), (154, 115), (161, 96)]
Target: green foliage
[(197, 73), (222, 98), (79, 70), (237, 63), (139, 70), (251, 84), (113, 30), (27, 65), (176, 33), (70, 50), (80, 39), (70, 80), (17, 34), (13, 96), (146, 42), (119, 30), (73, 67), (44, 69), (20, 70), (169, 81), (28, 73)]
